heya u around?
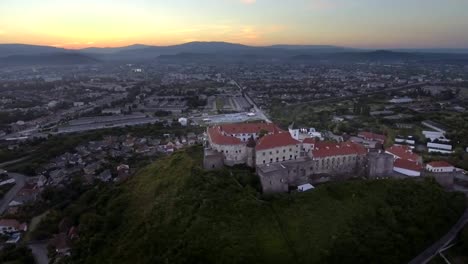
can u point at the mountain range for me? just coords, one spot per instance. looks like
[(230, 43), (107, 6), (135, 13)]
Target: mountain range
[(21, 54)]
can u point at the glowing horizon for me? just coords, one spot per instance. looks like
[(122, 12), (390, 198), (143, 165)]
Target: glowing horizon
[(349, 23)]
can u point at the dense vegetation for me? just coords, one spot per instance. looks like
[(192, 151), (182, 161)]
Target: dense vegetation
[(174, 212), (12, 254)]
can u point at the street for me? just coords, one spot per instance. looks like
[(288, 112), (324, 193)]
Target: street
[(19, 183), (39, 251)]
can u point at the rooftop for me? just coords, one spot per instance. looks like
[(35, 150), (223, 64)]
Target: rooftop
[(407, 164), (276, 140), (217, 137), (403, 152), (439, 164), (249, 128), (328, 149)]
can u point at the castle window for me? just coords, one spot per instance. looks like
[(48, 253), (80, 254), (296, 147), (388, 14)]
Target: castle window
[(284, 158), (263, 153), (277, 152), (264, 162)]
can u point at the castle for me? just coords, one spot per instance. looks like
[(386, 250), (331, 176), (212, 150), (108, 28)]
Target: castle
[(282, 159)]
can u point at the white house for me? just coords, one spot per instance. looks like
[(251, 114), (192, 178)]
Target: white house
[(183, 121), (434, 126), (78, 104), (305, 187), (403, 100), (440, 148), (440, 167)]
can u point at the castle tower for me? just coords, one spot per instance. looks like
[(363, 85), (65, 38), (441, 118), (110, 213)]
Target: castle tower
[(251, 152)]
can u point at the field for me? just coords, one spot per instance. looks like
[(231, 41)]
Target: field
[(172, 211)]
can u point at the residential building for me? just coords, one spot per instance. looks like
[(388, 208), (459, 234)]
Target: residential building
[(8, 226), (277, 147), (440, 167)]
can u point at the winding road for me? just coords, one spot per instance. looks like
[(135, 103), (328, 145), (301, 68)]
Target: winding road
[(39, 251), (435, 248)]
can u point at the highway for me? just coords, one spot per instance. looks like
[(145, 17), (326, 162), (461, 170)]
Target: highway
[(435, 248), (19, 183)]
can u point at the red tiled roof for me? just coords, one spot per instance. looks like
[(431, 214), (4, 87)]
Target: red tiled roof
[(403, 152), (309, 141), (249, 128), (329, 149), (218, 138), (439, 164), (407, 164), (276, 140), (372, 136), (12, 223)]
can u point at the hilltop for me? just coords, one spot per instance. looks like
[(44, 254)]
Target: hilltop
[(174, 212)]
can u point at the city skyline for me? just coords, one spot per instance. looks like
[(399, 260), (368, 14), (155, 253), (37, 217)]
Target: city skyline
[(359, 24)]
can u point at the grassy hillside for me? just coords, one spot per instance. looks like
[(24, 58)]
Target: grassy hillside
[(174, 212)]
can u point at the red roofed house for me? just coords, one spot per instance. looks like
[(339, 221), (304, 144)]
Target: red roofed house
[(440, 167), (408, 167), (8, 226), (277, 147), (373, 137), (403, 152), (343, 157)]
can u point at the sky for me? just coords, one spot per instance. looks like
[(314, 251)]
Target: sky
[(351, 23)]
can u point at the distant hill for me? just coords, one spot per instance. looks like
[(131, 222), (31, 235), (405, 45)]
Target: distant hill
[(384, 56), (22, 49), (435, 50), (175, 212), (47, 59), (224, 52), (312, 48), (112, 50)]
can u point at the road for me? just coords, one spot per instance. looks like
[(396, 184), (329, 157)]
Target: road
[(258, 111), (435, 248), (7, 163), (19, 183), (39, 251)]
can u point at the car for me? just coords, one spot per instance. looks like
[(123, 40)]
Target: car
[(3, 173)]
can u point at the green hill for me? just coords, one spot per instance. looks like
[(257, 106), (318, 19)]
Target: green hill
[(174, 212)]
